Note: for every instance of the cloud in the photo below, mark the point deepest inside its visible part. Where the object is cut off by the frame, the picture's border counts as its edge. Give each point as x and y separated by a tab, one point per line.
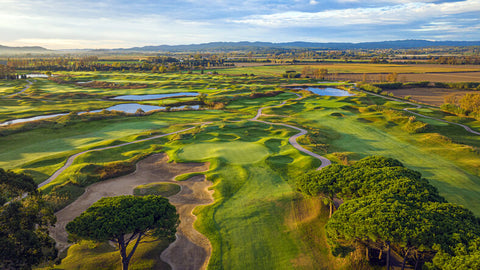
395	14
126	23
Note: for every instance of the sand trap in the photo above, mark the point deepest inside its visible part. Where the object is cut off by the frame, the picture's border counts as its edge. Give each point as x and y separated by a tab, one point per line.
191	250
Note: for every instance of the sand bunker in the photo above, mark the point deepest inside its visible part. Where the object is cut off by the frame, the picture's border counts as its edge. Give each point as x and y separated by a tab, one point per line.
191	250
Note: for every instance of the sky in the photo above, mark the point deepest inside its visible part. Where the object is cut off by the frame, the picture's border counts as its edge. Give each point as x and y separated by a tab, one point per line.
69	24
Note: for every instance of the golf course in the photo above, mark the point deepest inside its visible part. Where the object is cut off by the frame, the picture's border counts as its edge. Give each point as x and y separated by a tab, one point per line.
227	155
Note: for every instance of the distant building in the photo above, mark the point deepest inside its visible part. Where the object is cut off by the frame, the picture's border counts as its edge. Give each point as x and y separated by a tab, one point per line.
3	62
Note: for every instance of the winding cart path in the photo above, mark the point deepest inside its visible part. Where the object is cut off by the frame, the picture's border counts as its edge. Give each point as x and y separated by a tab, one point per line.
418	106
23	90
293	140
190	243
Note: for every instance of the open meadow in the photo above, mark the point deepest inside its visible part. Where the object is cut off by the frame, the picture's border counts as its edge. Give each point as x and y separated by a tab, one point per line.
258	220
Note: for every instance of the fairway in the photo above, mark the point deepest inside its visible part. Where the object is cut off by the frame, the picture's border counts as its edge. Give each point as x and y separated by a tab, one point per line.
257	219
453	181
252	199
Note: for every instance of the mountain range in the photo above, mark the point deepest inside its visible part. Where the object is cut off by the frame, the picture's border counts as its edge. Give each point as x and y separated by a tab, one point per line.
247	46
243	45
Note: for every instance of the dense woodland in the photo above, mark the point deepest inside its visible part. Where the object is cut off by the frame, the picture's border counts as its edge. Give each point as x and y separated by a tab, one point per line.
388	208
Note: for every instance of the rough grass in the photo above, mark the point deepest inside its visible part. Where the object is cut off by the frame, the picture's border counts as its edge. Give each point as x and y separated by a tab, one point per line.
162	189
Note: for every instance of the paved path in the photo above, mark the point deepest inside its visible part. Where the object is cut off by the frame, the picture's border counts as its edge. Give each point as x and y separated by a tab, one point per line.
418	106
293	140
188	239
72	158
23	90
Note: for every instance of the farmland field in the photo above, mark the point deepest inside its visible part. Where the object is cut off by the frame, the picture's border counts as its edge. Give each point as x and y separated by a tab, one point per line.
353	68
257	220
415	77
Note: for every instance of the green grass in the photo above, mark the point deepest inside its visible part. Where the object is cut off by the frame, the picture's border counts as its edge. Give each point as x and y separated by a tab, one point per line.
92	255
235	152
255	221
162	189
45	149
186	176
453	168
246	224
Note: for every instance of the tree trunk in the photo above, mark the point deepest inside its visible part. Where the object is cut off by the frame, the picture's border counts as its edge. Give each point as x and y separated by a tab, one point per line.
123	252
331	209
417	259
416	264
405	258
388	255
367	256
125	263
380	254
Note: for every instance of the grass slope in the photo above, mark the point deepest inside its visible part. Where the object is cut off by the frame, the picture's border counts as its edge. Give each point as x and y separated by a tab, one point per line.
452	168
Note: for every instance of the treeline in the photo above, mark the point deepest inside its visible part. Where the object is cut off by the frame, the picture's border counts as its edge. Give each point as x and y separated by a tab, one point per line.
468	105
389	208
92	63
455	60
7	73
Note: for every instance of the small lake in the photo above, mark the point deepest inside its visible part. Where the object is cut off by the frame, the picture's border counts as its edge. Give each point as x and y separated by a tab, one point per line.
156	96
334	92
126	108
35	118
37	76
133	107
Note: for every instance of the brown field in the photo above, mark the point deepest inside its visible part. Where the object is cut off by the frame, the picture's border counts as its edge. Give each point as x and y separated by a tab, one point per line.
267	69
430	96
412	77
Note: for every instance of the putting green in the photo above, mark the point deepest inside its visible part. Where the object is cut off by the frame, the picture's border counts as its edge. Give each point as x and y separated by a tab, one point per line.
235	152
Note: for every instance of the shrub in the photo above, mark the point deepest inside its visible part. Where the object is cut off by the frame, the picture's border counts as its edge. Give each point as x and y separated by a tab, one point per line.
371	88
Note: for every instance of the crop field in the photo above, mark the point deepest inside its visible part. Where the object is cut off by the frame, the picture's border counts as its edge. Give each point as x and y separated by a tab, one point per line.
430	96
350	68
430	76
257	220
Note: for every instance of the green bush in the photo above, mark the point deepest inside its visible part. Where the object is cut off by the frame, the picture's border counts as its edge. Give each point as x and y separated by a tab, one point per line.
371	88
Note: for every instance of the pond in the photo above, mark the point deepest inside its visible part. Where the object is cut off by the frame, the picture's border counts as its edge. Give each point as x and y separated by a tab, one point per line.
35	118
133	107
37	76
334	92
126	108
156	96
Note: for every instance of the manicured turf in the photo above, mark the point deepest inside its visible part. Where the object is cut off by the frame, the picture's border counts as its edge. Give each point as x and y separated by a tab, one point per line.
452	168
235	152
255	221
31	149
246	224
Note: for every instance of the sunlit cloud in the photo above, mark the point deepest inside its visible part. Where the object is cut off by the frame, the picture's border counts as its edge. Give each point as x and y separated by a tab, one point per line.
397	14
123	23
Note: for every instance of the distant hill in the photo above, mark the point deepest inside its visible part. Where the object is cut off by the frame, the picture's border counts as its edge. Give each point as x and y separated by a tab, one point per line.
246	45
22	50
